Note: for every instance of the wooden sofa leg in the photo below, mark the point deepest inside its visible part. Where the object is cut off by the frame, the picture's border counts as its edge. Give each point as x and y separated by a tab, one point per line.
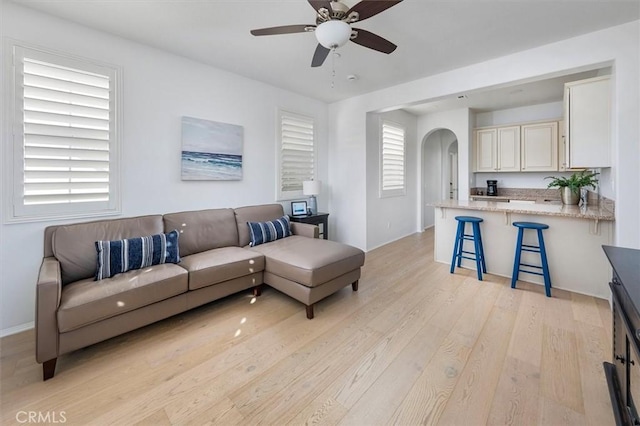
309	311
354	285
48	369
257	291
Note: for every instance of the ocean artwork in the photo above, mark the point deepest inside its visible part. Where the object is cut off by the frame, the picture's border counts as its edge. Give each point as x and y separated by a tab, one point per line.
211	150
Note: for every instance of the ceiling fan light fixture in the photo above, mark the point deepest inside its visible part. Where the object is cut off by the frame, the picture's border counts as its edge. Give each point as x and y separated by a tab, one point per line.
333	34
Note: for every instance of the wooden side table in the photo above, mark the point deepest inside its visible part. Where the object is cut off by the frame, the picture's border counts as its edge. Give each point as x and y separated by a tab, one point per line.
316	219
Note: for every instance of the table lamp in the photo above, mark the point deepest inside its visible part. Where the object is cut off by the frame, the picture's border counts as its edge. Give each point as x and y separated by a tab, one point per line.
312	188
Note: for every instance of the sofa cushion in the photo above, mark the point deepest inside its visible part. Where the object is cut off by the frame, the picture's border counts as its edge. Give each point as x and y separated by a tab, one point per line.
271	230
309	261
116	257
222	264
74	245
84	302
203	230
260	213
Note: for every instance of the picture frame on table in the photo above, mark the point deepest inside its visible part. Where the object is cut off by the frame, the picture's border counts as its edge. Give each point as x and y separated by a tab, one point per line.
299	208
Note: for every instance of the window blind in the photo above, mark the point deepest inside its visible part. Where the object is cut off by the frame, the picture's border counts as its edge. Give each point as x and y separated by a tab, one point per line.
297	151
393	159
64	150
66	134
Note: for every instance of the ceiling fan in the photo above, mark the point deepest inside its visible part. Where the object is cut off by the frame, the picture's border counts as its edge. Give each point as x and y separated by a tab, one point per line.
333	27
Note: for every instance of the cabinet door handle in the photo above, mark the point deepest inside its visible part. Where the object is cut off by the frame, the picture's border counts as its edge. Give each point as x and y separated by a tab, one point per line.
620	358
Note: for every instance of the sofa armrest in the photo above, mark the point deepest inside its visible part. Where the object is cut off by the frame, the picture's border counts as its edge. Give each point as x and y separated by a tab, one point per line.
48	292
305	229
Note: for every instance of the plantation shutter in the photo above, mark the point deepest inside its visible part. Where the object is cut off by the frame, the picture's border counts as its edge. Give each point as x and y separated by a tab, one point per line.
297	152
67	132
393	159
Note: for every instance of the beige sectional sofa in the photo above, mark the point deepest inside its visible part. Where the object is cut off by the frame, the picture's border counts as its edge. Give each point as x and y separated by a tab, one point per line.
73	310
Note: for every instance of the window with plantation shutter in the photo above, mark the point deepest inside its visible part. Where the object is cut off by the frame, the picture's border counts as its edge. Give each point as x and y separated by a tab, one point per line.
296	154
392	160
64	134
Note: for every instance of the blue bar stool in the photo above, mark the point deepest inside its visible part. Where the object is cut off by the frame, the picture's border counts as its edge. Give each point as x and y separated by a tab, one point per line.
476	237
517	264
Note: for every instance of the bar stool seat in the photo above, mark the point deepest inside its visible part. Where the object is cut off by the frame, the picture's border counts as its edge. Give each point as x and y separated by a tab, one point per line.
476	237
540	248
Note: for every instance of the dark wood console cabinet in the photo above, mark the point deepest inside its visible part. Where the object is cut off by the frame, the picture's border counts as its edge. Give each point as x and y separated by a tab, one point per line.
623	372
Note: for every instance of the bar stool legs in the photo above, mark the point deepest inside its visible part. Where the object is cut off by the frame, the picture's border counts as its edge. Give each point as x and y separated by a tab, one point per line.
540	248
458	247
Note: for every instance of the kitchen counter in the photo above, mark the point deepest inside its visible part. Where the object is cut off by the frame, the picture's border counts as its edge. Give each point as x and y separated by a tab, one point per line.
576	261
534	208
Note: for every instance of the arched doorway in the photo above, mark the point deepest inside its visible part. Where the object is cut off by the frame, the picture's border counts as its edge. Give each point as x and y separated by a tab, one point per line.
439	180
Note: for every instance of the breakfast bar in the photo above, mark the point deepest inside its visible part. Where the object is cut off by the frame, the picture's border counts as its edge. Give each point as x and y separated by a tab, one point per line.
573	240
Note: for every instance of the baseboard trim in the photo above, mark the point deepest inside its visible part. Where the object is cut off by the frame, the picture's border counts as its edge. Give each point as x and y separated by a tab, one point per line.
392	241
17	329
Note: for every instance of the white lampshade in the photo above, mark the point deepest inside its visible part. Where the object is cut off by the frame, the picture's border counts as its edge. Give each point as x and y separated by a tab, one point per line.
311	187
333	34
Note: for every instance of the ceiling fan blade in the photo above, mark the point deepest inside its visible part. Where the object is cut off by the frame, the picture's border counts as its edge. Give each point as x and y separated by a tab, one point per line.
286	29
319	4
319	56
368	8
373	41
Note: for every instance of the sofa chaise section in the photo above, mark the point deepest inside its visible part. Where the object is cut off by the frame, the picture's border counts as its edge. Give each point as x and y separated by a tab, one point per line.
303	268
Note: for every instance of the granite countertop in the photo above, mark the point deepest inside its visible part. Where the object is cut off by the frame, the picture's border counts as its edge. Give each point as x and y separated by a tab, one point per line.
536	208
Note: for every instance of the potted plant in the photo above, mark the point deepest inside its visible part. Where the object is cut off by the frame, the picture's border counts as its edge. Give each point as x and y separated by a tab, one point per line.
570	187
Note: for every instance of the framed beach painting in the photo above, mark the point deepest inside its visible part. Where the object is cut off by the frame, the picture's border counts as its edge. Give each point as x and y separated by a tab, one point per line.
211	150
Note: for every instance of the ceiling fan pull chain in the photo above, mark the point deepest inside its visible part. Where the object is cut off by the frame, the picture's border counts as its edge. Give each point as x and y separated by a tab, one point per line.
333	67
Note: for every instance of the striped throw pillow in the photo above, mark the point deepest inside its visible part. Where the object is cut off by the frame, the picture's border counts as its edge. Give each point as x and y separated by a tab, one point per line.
115	257
264	232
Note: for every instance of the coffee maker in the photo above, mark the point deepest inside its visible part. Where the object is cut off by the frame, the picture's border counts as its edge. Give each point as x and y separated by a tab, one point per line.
492	188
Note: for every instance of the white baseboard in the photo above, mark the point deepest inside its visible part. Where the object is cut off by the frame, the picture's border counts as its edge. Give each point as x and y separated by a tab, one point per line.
392	241
17	329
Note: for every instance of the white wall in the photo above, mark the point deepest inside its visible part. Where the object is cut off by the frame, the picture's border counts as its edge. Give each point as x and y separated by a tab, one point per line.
159	89
390	218
619	44
516	179
548	111
348	174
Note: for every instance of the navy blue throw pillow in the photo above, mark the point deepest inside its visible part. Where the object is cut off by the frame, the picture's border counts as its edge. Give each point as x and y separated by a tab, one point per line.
264	232
115	257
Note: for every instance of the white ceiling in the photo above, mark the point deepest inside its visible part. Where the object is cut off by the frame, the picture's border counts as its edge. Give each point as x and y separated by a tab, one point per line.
433	36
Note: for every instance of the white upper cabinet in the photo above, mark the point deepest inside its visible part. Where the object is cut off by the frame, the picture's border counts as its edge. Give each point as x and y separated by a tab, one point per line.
498	149
588	123
540	147
486	146
563	166
509	149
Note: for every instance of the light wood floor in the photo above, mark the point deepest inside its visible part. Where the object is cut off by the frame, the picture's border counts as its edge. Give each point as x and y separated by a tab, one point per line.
415	345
